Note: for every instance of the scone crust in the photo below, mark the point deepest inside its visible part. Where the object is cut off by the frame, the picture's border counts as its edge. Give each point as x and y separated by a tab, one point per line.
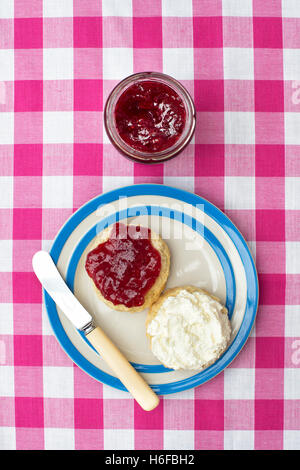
173	292
153	294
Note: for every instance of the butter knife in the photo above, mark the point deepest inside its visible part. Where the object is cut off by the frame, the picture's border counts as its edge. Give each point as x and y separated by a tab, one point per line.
50	278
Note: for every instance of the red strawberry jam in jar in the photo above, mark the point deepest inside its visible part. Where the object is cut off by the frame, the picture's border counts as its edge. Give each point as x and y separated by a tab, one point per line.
149	117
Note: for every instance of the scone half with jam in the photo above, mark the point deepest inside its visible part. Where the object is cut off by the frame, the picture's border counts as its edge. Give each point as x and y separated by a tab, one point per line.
128	266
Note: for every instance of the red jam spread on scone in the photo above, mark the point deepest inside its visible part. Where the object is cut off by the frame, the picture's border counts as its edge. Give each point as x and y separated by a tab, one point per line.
125	267
150	116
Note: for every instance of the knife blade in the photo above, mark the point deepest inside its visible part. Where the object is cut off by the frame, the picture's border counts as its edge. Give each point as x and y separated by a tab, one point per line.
48	275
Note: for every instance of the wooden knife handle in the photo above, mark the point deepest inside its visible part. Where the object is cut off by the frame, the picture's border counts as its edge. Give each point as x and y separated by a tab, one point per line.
132	380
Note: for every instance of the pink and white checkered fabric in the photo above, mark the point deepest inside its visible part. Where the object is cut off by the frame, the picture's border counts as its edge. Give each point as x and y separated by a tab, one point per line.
240	59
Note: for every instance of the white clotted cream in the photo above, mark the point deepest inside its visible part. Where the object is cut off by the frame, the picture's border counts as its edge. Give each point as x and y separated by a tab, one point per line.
189	331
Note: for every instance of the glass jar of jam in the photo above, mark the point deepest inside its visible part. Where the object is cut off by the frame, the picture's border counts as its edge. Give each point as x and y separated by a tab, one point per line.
149	117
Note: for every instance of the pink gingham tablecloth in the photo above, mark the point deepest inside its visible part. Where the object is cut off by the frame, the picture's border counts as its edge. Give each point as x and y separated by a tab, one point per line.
240	60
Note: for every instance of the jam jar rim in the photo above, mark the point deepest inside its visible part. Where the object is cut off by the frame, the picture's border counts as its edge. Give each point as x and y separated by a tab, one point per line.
148	157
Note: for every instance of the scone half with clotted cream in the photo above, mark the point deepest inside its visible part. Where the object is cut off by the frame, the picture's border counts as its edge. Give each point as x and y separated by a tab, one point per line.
188	328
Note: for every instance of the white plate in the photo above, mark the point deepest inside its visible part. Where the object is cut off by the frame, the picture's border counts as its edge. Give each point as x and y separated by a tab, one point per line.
206	251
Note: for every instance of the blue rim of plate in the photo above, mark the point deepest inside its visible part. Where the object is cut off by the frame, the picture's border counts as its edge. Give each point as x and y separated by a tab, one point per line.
223	221
207	235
